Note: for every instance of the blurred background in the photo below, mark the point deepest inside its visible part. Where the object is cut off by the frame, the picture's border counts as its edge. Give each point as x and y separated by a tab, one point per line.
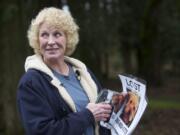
138	37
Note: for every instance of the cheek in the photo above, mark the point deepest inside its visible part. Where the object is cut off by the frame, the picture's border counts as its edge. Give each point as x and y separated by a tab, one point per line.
41	40
64	41
42	43
64	44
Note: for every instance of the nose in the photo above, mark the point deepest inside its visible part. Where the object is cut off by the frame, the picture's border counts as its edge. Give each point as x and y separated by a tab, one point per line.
51	40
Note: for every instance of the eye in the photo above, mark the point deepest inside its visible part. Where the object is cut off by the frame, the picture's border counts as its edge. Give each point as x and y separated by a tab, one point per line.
58	34
44	34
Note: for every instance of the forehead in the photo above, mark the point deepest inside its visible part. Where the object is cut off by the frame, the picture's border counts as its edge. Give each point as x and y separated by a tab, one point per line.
49	27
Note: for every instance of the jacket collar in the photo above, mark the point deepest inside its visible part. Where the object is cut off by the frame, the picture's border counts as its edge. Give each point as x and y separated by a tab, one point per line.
36	62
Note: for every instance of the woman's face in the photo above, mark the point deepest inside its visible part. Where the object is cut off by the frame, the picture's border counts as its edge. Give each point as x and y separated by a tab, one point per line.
52	43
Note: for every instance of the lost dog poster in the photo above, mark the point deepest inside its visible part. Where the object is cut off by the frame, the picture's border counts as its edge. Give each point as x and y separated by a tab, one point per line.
128	105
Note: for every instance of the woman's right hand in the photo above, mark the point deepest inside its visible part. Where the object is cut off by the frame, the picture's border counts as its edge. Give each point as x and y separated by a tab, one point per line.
100	111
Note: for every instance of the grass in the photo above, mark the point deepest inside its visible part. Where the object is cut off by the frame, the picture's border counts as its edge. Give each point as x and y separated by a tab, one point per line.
164	104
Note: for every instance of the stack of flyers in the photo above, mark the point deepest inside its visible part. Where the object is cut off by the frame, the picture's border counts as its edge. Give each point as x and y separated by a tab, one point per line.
128	106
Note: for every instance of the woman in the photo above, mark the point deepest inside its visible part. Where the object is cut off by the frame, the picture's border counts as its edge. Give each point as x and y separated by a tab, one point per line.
57	94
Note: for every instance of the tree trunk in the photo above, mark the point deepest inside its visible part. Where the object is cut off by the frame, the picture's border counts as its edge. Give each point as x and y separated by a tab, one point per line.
126	54
149	63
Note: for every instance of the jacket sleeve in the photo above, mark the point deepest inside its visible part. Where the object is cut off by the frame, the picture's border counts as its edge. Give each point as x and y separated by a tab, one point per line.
38	117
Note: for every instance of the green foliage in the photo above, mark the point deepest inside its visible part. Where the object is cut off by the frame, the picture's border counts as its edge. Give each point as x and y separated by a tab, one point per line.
164	104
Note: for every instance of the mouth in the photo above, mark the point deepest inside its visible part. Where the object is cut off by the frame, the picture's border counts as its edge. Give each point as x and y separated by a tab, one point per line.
51	49
125	116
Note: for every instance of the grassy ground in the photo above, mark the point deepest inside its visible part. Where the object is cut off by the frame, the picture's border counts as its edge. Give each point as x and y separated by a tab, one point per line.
159	122
162	117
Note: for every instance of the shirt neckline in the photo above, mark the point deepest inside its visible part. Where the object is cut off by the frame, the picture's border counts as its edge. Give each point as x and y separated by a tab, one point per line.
65	76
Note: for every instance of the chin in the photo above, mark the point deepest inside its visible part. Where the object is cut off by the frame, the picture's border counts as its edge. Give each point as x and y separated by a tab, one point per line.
54	57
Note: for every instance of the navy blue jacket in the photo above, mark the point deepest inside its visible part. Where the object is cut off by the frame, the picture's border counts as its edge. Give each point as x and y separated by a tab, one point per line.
44	112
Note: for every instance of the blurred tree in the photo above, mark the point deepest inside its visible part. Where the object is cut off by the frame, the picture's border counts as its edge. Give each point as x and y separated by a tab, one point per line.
96	33
149	51
169	31
129	28
9	43
159	42
15	18
138	29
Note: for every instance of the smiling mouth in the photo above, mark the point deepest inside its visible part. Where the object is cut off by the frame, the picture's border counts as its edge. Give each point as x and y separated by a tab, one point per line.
52	49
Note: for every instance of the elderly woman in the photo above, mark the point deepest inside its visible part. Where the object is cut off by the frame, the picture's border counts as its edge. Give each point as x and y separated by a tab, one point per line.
57	94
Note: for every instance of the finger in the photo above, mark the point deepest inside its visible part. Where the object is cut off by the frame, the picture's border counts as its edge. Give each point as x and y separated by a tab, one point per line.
99	111
107	111
105	105
102	117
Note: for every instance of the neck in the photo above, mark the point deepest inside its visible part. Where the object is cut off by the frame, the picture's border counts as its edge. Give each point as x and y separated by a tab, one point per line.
59	66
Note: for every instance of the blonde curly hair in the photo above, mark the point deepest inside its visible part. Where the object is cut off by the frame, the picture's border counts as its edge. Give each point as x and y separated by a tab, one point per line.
59	19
